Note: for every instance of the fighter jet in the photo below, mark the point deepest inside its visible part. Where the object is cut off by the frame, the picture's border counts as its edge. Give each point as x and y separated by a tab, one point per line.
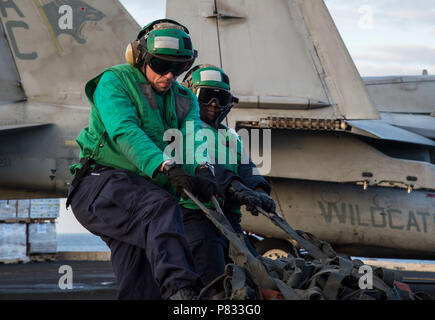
351	162
49	49
356	174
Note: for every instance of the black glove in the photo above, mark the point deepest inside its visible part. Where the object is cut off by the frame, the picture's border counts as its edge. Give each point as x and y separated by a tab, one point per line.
246	196
206	186
267	202
224	178
179	178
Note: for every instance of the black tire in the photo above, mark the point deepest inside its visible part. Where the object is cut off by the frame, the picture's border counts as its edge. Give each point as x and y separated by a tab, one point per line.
274	248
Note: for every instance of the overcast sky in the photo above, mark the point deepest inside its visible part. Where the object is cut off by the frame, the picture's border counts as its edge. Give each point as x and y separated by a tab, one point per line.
387	37
384	37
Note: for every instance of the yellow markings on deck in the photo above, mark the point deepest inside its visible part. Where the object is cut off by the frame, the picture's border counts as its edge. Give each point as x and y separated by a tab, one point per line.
71	143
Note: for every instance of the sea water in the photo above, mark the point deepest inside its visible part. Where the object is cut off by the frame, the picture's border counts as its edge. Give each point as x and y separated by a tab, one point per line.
80	242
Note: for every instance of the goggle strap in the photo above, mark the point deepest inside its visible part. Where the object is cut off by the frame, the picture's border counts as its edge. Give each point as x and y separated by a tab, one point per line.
231	100
223	115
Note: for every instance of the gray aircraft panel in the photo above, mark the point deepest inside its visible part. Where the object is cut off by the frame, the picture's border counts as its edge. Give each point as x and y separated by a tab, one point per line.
53	140
37	136
369	81
276	65
383	130
343	158
420	124
373	222
55	64
39	170
279	56
402	94
203	35
100	31
341	74
7	129
10	84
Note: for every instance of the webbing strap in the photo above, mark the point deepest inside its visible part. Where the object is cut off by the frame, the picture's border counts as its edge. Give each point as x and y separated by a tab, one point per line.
280	222
334	285
210	285
86	165
238	252
288	292
238	276
327	276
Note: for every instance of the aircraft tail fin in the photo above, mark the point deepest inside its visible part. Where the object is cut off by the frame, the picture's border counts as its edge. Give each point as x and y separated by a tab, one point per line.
10	83
278	52
57	45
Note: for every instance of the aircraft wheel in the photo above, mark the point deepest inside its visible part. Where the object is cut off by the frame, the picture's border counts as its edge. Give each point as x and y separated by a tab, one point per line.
274	248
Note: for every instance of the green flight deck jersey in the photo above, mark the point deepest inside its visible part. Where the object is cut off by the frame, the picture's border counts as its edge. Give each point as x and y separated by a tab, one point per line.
128	121
224	147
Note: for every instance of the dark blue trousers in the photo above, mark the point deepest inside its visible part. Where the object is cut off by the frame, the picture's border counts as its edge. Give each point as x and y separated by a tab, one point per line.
208	245
142	225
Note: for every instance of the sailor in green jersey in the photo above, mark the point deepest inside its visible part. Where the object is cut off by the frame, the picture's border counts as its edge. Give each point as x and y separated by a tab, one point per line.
235	174
124	186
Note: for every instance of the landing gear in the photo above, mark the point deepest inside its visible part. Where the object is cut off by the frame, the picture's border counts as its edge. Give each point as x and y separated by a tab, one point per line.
274	248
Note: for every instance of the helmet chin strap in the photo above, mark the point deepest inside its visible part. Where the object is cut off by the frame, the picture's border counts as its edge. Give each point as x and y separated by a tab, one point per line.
215	124
222	116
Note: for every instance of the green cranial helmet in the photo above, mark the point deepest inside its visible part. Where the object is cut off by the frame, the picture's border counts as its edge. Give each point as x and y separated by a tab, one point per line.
207	75
210	83
163	40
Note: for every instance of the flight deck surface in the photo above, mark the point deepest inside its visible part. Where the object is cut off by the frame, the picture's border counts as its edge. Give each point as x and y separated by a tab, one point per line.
95	280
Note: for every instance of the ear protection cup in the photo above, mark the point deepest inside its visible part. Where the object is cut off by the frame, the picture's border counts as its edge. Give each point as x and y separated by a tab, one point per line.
131	53
136	54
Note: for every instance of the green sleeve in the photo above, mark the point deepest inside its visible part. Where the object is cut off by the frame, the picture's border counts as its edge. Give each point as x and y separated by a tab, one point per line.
122	123
195	150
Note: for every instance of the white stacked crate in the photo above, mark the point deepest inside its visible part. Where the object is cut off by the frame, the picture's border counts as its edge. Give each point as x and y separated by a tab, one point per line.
41	241
13	243
44	208
28	230
8	209
42	238
14	211
23	209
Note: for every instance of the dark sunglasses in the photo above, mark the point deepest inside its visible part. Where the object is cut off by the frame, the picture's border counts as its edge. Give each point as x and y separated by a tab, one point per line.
162	67
222	97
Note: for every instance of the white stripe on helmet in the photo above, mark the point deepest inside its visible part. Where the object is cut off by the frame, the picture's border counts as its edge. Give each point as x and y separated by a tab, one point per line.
211	75
166	43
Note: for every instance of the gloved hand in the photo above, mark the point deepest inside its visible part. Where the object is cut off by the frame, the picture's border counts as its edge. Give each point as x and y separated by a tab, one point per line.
206	186
267	202
179	178
246	196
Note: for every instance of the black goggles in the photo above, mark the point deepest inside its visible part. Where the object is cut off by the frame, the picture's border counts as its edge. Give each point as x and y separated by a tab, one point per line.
162	67
222	97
